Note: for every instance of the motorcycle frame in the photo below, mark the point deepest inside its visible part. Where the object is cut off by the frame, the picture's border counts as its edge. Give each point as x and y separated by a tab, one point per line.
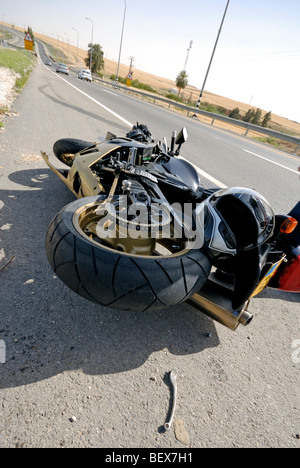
80	171
214	299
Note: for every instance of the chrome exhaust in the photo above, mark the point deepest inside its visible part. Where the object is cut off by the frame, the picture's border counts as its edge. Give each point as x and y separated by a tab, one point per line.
214	300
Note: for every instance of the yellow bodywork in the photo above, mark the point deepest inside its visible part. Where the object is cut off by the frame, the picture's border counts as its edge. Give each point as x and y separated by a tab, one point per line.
90	184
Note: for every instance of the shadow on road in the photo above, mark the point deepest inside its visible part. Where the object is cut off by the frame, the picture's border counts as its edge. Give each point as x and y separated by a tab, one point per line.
48	329
60	101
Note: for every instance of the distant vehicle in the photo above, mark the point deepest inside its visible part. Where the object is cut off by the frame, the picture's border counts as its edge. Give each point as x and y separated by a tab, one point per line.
85	75
49	63
62	68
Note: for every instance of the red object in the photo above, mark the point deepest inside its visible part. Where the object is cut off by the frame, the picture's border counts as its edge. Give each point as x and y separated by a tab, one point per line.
290	277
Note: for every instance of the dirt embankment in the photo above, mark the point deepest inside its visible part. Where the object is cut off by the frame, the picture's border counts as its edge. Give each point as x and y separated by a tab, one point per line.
7	92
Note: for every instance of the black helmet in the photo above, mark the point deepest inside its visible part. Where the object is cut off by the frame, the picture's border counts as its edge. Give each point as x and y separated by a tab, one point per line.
236	219
140	132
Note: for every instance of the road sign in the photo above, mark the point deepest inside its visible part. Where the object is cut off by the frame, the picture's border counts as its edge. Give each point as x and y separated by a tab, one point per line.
28	37
129	79
28	42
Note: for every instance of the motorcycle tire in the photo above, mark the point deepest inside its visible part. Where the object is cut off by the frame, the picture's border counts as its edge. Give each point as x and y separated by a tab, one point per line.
115	279
66	148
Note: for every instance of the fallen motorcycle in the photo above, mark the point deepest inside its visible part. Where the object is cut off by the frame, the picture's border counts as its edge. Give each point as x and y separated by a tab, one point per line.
144	233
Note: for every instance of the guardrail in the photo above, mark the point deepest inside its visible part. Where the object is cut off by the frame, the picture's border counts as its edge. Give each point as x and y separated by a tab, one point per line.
195	111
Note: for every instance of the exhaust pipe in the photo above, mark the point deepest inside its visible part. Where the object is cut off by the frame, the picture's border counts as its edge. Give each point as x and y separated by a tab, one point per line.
214	300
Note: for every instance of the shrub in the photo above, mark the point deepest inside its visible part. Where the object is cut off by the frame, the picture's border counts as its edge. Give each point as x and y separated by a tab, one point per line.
235	113
212	108
266	119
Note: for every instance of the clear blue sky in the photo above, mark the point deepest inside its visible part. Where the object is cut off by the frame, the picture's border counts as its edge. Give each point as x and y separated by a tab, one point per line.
257	59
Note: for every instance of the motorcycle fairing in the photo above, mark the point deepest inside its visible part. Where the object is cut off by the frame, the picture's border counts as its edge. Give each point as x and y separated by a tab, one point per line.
80	179
294	237
289	279
247	268
184	170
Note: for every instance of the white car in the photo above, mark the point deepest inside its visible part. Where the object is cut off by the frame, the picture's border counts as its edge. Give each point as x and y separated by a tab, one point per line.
85	75
62	68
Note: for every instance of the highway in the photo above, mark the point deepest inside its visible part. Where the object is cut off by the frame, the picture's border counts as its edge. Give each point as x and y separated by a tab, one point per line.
230	159
80	375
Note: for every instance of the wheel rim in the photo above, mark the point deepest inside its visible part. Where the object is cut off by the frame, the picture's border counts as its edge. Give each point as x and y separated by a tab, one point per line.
94	222
67	158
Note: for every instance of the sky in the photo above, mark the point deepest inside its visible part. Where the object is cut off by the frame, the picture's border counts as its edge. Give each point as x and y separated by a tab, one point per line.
256	61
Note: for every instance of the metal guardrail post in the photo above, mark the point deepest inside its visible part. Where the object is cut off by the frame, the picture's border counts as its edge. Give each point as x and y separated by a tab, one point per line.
297	147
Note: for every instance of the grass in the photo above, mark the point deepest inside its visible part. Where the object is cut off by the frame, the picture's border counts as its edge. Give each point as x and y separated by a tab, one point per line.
20	62
57	54
268	140
135	84
17	60
5	35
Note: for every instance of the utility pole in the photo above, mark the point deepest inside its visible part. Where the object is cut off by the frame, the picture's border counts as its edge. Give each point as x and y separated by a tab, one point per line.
77	46
131	64
121	41
203	86
187	57
91	54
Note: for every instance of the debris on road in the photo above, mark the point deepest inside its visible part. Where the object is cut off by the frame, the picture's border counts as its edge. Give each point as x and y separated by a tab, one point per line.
173	375
180	432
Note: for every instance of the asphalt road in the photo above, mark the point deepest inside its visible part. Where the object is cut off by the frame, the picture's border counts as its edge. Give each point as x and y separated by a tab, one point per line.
79	375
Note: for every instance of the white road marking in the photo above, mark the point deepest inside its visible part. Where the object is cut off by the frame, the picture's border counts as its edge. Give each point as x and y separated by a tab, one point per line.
273	162
201	172
92	99
206	175
99	103
109	92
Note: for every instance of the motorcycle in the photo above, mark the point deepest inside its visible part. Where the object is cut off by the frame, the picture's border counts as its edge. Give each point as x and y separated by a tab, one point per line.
144	233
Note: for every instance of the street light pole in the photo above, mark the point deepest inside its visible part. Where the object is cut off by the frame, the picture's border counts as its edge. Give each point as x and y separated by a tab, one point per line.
63	47
203	86
91	54
77	46
68	49
117	77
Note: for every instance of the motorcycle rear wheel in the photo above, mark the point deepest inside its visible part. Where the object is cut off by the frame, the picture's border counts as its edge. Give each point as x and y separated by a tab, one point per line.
65	149
113	278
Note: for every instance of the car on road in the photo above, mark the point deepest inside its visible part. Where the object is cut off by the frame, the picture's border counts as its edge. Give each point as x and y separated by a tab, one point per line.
62	68
48	62
85	75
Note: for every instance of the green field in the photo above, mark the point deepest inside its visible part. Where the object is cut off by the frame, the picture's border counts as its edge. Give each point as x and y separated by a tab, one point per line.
19	61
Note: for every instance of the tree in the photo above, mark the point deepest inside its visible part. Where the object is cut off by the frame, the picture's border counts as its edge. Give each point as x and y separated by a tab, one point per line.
181	81
266	119
29	30
257	117
97	58
248	117
235	113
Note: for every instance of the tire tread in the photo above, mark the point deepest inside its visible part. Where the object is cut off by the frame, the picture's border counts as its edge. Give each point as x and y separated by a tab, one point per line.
112	279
